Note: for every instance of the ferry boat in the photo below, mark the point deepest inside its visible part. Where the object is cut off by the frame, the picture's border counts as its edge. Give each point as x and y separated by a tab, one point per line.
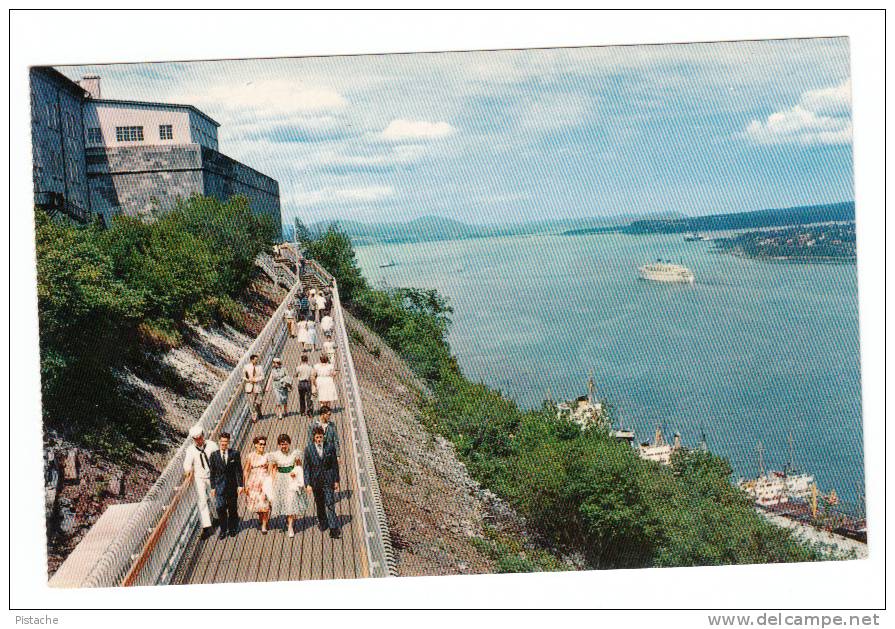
665	271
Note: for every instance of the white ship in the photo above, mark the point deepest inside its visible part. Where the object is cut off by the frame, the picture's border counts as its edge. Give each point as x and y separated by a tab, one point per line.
659	450
772	488
587	414
667	272
583	410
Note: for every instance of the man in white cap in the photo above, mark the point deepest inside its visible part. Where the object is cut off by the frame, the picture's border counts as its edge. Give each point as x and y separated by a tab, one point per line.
197	461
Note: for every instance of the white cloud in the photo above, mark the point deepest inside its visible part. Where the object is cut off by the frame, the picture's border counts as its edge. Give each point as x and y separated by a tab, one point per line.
331	195
400	129
822	116
273	97
396	156
831	101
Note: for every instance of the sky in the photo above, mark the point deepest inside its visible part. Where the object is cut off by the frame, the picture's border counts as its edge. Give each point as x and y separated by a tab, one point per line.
522	135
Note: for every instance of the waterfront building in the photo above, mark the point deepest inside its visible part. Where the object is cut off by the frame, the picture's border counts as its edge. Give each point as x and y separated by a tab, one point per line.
95	156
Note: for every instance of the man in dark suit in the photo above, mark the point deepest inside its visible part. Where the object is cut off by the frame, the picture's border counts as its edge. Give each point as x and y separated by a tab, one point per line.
330	434
321	468
226	483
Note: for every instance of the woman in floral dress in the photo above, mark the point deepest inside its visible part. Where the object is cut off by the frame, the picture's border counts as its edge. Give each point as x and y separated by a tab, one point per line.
288	478
256	473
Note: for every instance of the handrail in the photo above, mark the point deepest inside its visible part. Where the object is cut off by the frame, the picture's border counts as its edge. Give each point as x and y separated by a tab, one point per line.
376	532
268	265
131	577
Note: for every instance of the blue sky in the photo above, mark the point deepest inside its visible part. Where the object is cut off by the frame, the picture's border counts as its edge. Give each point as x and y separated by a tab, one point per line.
508	136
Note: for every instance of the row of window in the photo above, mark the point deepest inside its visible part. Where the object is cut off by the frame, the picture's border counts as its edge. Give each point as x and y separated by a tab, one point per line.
129	134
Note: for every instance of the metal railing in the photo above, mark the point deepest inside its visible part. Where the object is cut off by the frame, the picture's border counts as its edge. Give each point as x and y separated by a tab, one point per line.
269	266
376	533
149	546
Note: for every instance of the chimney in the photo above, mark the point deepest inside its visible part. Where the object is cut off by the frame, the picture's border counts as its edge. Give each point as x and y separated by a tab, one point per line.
90	83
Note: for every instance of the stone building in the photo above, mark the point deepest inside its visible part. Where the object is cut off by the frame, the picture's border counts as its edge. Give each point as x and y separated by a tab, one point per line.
59	169
95	156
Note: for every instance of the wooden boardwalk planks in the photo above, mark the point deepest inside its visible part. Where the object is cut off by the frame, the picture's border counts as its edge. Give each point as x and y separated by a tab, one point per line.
311	554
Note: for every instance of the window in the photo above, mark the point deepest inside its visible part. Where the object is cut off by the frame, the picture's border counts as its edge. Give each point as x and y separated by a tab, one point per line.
165	132
129	134
94	135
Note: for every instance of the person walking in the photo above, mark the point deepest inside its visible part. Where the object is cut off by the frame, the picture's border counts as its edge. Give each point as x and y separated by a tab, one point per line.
252	377
289	316
288	482
321	476
226	484
258	485
329	348
303	376
322	381
196	462
330	433
281	382
321	304
303	338
312	334
312	303
327	325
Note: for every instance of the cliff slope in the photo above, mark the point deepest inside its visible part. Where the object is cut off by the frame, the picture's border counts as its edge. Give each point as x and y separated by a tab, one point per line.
177	385
441	521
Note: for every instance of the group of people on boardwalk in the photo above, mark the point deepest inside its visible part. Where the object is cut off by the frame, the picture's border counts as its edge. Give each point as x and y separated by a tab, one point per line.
280	482
283	481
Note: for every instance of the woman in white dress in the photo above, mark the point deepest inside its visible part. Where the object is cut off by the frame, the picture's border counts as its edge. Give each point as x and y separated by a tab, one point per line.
321	305
303	338
322	381
288	478
329	348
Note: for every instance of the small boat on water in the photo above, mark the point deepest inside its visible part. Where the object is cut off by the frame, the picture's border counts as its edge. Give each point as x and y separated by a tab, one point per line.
388	264
694	237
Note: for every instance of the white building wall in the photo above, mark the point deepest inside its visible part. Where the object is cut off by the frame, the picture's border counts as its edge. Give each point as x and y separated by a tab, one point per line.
108	116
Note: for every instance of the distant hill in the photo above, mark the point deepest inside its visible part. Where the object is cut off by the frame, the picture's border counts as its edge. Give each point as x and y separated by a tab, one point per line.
747	220
431	228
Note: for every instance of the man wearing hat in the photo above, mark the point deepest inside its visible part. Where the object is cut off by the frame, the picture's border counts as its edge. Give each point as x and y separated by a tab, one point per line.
197	461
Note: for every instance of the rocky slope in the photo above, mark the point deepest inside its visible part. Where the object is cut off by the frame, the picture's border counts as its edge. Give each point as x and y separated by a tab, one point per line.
177	385
441	521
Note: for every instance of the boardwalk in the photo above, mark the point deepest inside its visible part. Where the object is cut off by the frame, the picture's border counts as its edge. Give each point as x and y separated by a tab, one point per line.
311	554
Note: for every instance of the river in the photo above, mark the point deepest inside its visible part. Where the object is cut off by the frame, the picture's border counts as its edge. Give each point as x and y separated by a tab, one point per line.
752	351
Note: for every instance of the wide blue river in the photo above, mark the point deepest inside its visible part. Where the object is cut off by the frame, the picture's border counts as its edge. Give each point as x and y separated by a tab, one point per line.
753	351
